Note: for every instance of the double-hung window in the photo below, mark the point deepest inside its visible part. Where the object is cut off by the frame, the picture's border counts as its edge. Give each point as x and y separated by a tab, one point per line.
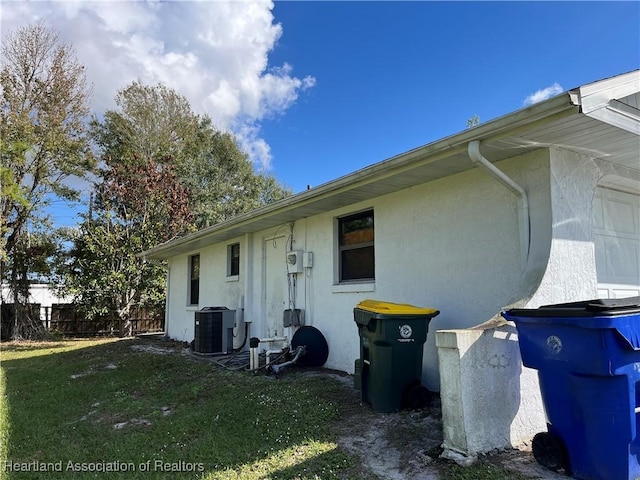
356	252
194	280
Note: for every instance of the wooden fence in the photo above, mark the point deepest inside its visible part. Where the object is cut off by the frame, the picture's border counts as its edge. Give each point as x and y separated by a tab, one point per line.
63	318
66	320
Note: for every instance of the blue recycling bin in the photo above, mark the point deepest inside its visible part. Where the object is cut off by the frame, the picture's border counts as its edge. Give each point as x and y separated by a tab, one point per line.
588	359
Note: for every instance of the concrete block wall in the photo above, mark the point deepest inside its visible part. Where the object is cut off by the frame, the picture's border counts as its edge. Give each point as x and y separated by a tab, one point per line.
489	400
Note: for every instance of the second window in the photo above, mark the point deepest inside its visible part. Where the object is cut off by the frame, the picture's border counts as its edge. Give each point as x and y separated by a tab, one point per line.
356	250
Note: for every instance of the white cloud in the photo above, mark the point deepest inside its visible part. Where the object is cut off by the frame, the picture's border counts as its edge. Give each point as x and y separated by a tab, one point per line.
543	94
215	53
256	147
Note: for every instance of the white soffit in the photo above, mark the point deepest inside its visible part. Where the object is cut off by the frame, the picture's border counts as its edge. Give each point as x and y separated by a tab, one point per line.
614	101
607	127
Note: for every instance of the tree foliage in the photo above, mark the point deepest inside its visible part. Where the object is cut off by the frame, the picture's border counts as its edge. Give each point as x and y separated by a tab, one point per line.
166	171
473	121
138	205
11	195
43	111
156	123
221	181
152	122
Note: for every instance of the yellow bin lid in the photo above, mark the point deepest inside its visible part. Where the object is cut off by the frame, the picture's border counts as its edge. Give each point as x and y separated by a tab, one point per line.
389	308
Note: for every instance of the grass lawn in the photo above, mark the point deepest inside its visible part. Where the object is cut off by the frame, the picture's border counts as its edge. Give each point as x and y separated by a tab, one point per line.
112	408
84	407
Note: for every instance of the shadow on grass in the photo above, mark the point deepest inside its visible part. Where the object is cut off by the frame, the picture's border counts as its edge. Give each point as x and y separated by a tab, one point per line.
14	350
102	407
28	346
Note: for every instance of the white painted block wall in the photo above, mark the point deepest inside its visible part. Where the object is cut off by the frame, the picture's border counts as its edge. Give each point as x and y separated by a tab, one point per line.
489	399
451	244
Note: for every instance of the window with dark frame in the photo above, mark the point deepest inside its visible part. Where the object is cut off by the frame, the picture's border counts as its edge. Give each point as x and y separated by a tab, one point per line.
356	247
194	279
233	260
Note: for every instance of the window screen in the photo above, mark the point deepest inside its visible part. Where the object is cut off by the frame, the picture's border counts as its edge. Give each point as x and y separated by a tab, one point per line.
356	247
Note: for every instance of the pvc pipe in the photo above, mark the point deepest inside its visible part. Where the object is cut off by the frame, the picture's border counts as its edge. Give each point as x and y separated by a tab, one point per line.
273	339
473	150
268	355
254	355
299	352
254	358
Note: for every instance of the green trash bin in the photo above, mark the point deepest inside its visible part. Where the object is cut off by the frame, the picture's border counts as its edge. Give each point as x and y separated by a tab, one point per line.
389	370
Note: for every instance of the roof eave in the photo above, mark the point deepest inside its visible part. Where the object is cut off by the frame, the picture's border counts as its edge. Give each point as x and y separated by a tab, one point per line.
520	120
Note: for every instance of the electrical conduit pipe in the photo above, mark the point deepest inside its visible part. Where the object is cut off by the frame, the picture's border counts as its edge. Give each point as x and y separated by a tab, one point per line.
523	201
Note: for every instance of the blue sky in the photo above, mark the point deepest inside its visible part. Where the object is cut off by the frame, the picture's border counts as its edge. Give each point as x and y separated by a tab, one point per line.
316	90
392	76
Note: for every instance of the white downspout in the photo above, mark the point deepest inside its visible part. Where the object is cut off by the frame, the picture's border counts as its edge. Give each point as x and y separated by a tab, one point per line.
167	304
523	201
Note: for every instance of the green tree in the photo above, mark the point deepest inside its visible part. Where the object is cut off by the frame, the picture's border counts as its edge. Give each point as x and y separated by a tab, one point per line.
166	171
222	182
473	121
151	122
157	123
10	192
43	111
138	205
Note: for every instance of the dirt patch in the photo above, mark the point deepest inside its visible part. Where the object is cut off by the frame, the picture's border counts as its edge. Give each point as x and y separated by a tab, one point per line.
75	376
395	446
521	461
153	349
407	445
143	422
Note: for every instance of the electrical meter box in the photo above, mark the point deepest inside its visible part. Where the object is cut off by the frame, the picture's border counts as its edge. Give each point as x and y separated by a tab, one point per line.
294	261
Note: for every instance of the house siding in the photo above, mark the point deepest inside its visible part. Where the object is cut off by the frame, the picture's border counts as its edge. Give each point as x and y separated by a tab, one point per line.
570	271
456	244
450	244
477	363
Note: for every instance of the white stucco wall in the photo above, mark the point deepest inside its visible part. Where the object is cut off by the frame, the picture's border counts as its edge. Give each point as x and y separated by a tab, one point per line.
571	271
178	316
571	268
451	244
489	399
216	289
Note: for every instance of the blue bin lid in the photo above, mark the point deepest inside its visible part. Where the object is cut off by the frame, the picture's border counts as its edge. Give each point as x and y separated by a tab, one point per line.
622	315
599	307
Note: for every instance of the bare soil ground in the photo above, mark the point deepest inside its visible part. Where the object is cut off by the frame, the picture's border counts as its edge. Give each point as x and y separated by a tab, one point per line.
407	445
